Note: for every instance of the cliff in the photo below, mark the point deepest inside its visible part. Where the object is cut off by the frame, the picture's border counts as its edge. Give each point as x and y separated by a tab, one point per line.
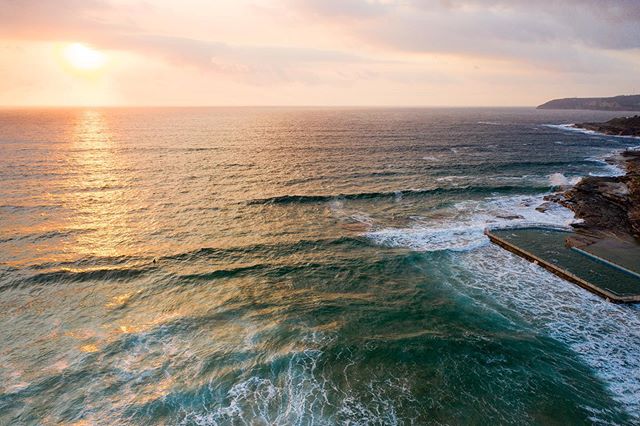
616	103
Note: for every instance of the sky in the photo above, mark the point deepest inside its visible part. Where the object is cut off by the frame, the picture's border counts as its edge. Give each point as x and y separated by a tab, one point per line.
316	52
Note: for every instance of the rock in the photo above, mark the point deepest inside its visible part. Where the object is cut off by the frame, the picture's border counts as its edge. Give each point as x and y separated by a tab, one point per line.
607	204
510	216
623	126
542	208
557	197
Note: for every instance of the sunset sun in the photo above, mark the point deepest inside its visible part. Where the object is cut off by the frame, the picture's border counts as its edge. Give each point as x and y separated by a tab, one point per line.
83	57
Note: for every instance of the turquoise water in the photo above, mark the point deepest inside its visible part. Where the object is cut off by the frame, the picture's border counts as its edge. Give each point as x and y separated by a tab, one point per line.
298	266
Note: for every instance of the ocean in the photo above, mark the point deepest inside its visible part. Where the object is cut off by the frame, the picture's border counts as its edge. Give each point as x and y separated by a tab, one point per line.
299	266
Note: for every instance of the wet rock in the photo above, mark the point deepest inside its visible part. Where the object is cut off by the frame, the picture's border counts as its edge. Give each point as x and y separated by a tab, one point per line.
623	126
610	204
555	198
510	216
542	208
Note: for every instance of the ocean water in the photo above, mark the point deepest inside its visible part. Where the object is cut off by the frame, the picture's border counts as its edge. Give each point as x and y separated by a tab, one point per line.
298	266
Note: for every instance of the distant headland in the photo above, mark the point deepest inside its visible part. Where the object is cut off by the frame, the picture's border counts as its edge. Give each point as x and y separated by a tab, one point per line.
615	103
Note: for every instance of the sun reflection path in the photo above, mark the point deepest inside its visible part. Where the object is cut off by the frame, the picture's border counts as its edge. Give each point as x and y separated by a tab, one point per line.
96	191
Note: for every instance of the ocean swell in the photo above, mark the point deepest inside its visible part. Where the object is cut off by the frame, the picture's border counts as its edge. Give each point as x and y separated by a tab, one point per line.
472	190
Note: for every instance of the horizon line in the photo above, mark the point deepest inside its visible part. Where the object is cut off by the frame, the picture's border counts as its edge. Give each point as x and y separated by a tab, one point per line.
260	106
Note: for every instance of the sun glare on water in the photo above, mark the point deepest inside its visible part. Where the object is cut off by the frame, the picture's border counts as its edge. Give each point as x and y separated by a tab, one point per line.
83	57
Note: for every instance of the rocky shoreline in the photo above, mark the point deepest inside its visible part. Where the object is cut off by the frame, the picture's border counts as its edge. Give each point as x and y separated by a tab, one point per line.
608	206
623	126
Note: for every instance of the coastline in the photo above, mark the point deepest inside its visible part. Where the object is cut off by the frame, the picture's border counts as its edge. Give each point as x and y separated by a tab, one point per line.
607	205
607	209
606	230
622	126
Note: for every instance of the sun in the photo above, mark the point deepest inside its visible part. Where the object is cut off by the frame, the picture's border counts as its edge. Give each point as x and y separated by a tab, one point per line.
84	58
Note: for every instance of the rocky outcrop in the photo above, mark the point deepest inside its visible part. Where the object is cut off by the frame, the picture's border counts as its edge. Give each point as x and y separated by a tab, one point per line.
615	103
624	126
607	204
633	183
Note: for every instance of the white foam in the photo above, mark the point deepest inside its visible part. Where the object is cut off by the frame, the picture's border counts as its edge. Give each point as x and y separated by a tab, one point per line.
605	336
430	239
559	179
463	226
362	218
351	216
610	169
452	178
301	395
572	128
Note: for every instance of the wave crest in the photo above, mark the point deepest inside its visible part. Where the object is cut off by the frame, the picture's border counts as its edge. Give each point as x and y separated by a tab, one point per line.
472	190
463	229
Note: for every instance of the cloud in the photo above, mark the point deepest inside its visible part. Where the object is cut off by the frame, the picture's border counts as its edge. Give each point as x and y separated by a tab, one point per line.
573	35
34	19
98	22
344	8
609	24
570	35
398	47
249	63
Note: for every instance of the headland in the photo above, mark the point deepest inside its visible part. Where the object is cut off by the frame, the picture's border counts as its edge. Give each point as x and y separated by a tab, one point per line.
614	103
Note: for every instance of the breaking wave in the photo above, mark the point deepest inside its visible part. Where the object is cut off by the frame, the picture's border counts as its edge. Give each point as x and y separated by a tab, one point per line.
559	179
471	190
463	228
603	334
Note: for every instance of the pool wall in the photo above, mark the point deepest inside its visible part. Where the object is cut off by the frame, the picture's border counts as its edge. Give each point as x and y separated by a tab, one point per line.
559	271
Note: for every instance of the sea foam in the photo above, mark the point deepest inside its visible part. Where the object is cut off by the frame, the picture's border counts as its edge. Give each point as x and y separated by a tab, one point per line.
605	335
462	227
559	179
